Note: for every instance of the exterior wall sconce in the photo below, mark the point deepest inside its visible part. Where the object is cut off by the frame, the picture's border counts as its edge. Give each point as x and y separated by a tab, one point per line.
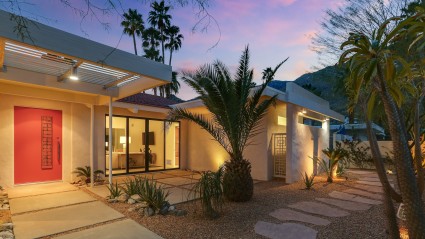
74	74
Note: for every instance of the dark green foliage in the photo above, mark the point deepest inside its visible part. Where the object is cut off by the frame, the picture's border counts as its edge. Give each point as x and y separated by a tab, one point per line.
151	193
308	180
335	156
358	154
85	173
210	191
114	190
238	185
130	187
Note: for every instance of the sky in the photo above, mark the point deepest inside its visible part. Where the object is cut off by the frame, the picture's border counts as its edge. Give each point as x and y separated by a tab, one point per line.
273	29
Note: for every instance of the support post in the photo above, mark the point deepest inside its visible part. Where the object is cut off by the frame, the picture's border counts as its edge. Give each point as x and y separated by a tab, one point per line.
110	140
92	145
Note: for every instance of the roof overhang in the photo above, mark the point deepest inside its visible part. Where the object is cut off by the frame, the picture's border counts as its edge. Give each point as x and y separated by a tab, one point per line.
49	56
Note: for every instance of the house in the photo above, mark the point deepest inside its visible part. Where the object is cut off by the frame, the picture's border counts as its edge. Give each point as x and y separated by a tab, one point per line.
356	131
58	90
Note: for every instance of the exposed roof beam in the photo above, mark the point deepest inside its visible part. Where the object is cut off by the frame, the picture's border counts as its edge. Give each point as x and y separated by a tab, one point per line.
115	83
2	46
69	72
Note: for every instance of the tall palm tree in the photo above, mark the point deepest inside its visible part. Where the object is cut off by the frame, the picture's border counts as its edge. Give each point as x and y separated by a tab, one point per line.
173	87
371	62
236	111
159	18
133	25
150	44
174	40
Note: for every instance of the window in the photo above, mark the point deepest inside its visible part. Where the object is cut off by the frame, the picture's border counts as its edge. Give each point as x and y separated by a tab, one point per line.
311	122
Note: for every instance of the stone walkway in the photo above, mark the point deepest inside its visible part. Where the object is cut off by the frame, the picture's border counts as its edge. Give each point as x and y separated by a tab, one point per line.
61	210
364	195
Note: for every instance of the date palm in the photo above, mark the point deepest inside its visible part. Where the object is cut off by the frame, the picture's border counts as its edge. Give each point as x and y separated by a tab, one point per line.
133	25
371	62
236	111
159	18
174	40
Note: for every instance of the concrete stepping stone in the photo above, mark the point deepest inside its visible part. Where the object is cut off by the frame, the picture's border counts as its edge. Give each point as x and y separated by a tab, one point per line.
125	229
361	172
364	193
372	179
372	189
284	231
353	198
319	209
379	184
352	206
291	215
40	189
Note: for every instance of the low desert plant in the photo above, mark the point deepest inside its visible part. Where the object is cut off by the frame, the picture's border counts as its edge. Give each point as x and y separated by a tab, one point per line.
114	190
357	153
308	180
84	173
210	191
131	187
334	157
148	190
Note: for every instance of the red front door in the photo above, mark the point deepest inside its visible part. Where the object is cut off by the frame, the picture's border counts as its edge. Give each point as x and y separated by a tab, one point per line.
38	145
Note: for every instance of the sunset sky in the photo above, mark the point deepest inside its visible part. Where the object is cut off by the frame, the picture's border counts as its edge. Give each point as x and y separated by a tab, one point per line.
273	29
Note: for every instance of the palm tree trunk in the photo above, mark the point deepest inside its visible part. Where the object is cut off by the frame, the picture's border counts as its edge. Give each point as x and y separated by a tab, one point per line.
390	213
162	46
415	216
418	150
134	43
171	56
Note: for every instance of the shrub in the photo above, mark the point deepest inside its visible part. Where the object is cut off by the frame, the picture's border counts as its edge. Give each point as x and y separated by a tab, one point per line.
335	156
357	153
151	193
308	180
210	191
84	173
130	187
114	190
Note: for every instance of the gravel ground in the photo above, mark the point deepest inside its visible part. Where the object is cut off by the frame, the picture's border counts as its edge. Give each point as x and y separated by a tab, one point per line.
238	219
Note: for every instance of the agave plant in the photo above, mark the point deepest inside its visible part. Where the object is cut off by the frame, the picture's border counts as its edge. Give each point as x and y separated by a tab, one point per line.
148	190
308	180
236	107
114	190
84	173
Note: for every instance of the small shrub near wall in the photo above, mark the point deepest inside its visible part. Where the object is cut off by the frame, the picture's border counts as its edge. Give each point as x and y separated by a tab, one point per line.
358	154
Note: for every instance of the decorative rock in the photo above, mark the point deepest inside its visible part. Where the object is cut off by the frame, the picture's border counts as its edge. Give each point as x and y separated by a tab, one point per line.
5	207
180	213
135	197
320	209
112	200
171	208
6	226
364	193
123	198
352	206
291	215
149	212
353	198
131	201
6	235
164	210
285	230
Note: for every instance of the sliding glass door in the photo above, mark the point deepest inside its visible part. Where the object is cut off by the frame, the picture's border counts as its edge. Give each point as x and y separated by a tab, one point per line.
143	145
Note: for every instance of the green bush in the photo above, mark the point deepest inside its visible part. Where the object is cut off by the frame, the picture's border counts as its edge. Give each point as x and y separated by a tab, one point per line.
358	154
84	173
210	191
308	180
114	190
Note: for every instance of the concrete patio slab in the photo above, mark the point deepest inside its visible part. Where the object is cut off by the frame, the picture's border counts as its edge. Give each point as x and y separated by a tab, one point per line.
196	176
372	179
353	198
372	189
319	209
101	190
187	186
291	215
178	173
284	231
48	222
361	172
177	181
347	205
39	189
179	195
34	203
378	184
125	229
364	193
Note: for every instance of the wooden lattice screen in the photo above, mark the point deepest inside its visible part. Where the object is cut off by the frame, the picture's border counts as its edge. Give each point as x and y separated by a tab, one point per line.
46	142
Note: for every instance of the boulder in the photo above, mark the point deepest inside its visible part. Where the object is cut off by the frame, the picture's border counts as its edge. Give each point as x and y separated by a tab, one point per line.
131	201
135	197
180	213
149	212
6	226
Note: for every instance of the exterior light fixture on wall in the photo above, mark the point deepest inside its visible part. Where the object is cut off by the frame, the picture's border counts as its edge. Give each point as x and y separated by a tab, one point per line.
74	75
304	111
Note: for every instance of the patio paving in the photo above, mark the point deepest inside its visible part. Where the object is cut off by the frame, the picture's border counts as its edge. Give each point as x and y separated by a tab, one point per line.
52	221
179	173
378	184
372	179
39	202
353	198
284	231
364	193
101	190
319	209
284	214
126	229
177	181
347	205
39	189
372	189
179	195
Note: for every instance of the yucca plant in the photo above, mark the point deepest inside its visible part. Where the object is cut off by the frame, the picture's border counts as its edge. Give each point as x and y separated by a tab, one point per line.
308	180
130	187
148	190
84	173
209	188
114	190
236	108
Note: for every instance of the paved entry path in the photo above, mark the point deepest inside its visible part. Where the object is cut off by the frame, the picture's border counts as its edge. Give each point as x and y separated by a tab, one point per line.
60	208
339	204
